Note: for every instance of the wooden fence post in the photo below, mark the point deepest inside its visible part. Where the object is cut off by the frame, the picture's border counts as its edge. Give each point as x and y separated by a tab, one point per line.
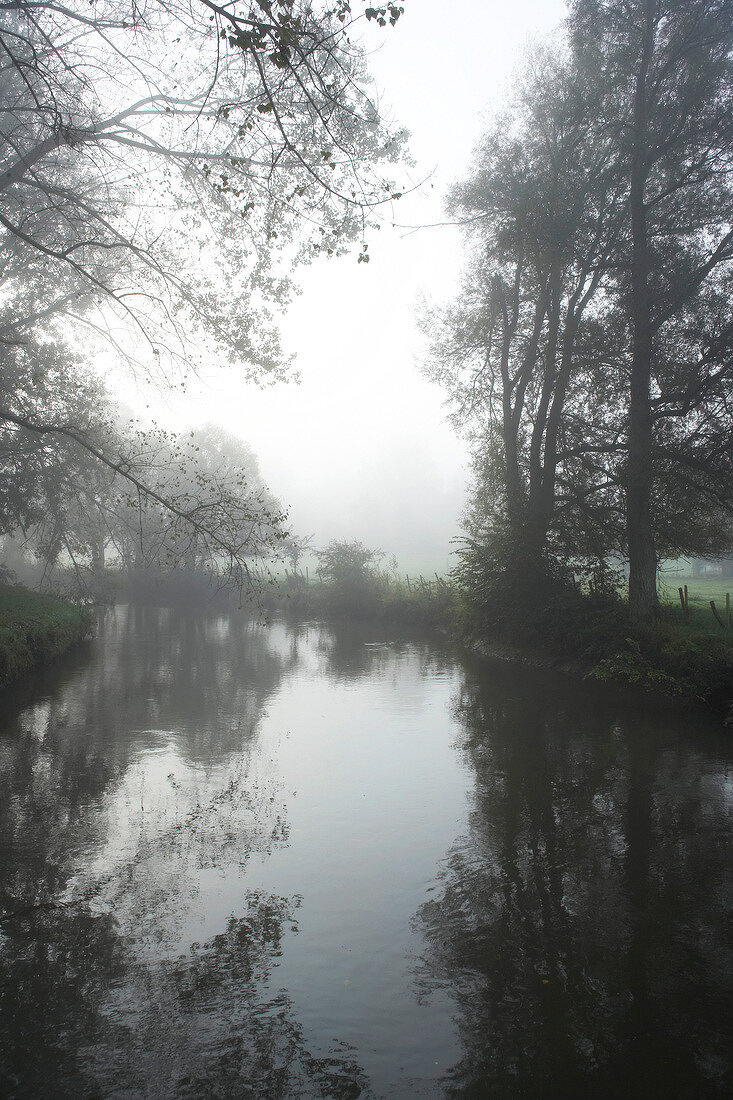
715	613
685	603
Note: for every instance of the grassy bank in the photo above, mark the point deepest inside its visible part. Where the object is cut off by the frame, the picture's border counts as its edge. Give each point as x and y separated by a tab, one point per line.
379	598
35	629
684	656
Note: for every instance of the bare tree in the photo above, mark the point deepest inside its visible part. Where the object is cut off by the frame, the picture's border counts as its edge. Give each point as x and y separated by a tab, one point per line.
169	163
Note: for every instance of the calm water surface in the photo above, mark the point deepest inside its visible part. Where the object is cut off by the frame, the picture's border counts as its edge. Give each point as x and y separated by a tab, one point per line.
273	861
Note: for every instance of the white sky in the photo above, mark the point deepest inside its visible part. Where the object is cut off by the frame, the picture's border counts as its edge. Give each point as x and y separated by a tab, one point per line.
361	448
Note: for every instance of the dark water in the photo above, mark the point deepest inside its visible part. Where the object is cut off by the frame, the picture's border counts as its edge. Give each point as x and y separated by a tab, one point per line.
247	861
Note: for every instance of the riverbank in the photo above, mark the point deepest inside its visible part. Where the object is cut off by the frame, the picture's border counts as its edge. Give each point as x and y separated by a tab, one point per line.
678	656
35	629
671	657
381	598
685	656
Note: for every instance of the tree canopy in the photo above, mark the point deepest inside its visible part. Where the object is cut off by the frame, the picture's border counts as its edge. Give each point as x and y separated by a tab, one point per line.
163	168
589	355
167	163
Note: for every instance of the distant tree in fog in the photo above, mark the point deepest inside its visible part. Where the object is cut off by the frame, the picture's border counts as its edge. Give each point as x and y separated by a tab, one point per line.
208	508
344	562
294	547
81	486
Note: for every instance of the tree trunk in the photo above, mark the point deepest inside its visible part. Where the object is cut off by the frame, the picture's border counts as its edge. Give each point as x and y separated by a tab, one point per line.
643	600
97	554
512	475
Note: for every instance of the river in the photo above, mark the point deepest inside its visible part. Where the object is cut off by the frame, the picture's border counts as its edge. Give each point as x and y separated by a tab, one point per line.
247	860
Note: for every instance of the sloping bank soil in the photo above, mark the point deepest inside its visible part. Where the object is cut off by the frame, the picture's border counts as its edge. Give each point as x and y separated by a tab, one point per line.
36	629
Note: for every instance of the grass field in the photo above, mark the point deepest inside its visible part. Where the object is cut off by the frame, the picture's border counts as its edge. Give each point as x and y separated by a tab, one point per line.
700	591
35	629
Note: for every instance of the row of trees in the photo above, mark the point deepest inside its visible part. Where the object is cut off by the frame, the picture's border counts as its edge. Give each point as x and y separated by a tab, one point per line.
168	503
590	354
164	167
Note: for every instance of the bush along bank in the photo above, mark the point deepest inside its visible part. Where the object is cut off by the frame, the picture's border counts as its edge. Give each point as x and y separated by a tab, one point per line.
36	629
593	634
378	597
551	623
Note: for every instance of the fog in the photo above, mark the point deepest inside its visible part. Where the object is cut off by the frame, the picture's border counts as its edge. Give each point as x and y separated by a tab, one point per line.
299	796
360	447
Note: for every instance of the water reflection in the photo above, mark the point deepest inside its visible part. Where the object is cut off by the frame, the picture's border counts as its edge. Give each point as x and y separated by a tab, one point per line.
133	955
223	872
581	922
84	1014
356	651
181	692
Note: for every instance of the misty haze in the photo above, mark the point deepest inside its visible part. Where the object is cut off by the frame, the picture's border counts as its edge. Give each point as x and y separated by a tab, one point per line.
366	549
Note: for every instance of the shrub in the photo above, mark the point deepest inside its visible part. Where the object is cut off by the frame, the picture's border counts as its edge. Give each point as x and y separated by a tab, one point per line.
347	564
348	568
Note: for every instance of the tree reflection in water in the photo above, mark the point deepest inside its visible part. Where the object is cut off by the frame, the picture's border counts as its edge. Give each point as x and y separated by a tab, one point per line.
354	651
581	924
126	790
578	923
